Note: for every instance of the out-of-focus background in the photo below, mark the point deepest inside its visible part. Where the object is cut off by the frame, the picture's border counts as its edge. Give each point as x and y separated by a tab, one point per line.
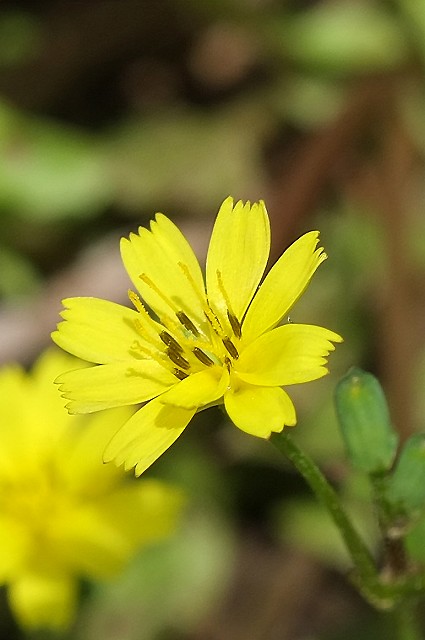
111	110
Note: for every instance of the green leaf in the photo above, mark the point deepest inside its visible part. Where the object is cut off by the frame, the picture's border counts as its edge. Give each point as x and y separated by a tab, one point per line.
17	275
345	37
47	170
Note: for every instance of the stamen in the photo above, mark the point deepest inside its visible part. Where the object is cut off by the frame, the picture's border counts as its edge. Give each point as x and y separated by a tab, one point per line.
143	329
181	375
169	341
187	323
231	315
186	271
209	314
202	357
151	338
137	346
178	359
224	292
230	348
165	320
235	324
145	278
134	298
214	321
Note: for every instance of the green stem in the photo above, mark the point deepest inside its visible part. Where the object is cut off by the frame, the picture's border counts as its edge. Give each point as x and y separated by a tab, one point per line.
311	473
395	562
406	622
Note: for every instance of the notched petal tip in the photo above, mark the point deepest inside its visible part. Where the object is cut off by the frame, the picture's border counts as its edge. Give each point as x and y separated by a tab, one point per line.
66	302
262	205
124	242
107	459
228	202
161	218
55	334
332	337
69	407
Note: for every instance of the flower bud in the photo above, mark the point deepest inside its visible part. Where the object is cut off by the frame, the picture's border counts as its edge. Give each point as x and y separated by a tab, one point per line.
362	410
406	487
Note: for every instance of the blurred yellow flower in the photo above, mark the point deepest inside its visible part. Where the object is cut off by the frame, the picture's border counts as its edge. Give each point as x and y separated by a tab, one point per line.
211	344
63	514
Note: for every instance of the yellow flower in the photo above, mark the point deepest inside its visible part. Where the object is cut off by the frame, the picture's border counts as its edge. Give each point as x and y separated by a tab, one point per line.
63	514
212	343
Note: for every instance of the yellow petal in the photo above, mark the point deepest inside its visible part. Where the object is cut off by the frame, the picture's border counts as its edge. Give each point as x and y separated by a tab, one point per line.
81	470
96	539
14	389
43	601
150	501
238	252
159	255
283	285
15	542
259	410
199	389
289	354
147	434
97	330
113	385
88	541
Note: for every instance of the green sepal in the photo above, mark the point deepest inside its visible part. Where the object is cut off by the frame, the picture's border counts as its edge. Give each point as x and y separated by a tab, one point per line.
369	436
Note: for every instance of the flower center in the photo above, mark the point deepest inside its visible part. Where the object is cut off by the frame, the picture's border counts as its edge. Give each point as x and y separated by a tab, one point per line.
180	344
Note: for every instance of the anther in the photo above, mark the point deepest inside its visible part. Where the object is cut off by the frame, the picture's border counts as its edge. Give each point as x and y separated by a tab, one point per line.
230	348
169	341
202	357
181	375
187	323
235	324
178	359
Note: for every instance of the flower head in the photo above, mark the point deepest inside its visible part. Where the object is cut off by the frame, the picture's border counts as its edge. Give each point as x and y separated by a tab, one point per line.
63	514
212	343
